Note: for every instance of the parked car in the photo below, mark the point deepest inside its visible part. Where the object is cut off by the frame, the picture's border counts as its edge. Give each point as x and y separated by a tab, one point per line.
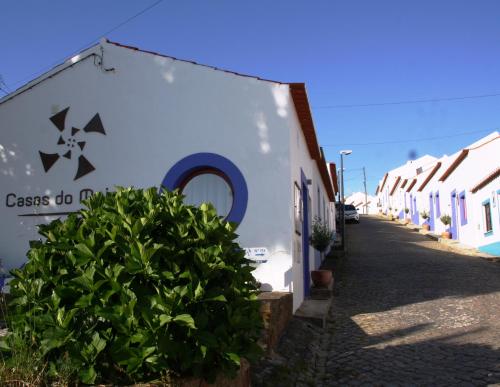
351	213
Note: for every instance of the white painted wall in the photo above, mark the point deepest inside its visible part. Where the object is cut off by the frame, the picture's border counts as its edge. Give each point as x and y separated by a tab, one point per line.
358	199
483	158
156	111
300	159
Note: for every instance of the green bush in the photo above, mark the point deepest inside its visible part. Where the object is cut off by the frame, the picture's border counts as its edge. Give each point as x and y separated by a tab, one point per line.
135	284
321	235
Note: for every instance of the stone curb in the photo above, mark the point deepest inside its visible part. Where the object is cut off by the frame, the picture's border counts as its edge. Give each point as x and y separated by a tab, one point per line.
447	244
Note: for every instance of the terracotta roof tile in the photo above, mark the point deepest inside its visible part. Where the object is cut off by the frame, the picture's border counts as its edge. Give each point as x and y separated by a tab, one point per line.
299	97
414	181
429	177
333	176
461	157
395	185
488	179
383	182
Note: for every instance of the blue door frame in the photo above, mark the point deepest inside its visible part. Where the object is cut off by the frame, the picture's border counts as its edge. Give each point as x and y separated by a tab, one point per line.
431	212
305	233
453	226
414	217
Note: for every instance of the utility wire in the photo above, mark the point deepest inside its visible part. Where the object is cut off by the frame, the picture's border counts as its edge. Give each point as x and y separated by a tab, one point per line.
410	141
119	25
407	101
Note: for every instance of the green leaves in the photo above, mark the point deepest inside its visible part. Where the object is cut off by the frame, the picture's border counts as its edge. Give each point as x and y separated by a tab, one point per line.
137	283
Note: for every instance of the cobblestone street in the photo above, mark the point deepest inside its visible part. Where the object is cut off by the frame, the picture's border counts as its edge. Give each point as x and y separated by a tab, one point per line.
405	313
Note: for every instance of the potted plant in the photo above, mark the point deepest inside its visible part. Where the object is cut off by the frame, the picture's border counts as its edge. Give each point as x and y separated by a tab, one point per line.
446	220
395	217
425	215
407	210
389	214
321	238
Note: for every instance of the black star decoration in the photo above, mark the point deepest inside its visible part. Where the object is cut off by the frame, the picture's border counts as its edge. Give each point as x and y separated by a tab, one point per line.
84	165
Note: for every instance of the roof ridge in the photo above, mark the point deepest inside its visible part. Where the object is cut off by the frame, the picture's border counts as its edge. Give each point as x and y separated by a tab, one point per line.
192	62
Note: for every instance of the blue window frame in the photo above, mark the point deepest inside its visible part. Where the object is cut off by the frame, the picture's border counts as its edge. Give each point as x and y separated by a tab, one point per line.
438	206
463	208
488	224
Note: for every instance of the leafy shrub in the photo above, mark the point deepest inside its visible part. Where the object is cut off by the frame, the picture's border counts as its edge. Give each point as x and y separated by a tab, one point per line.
424	214
407	210
321	235
445	219
135	284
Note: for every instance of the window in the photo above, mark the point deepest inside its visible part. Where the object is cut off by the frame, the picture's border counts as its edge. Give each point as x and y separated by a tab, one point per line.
297	206
463	208
487	217
208	186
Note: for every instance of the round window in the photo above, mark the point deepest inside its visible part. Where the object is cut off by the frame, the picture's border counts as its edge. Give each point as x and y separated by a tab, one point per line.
208	187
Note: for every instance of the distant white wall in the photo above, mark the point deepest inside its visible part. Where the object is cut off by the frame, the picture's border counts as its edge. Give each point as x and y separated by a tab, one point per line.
358	199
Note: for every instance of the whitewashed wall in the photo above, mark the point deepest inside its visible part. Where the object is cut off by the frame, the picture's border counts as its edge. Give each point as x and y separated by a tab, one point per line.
156	111
300	159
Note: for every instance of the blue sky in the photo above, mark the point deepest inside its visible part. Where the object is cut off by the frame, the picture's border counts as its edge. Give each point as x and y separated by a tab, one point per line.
347	52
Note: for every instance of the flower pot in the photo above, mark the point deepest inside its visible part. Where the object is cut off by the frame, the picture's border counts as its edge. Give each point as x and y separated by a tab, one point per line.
321	278
426	227
446	235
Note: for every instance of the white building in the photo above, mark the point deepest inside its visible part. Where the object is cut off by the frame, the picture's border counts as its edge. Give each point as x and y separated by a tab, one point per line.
364	205
465	186
394	192
116	115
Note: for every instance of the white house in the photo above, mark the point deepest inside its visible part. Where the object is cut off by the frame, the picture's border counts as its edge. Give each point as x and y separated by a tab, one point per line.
465	186
116	115
395	191
468	193
368	206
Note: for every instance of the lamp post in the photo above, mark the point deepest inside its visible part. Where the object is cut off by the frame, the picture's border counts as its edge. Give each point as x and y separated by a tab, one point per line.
342	198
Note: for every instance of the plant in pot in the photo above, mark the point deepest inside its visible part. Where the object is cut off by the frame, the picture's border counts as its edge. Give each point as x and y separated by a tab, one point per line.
321	238
425	215
407	210
395	217
446	220
389	214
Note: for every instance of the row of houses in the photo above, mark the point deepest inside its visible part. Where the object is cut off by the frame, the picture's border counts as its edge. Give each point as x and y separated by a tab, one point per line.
365	204
118	115
465	186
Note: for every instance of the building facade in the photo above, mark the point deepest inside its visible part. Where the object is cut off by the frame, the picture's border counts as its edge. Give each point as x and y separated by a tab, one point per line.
115	115
465	186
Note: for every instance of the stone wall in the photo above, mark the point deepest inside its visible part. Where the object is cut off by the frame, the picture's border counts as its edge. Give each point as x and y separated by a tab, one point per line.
276	310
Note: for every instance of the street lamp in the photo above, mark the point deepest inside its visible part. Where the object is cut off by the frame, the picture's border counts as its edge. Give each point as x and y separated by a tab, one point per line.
342	198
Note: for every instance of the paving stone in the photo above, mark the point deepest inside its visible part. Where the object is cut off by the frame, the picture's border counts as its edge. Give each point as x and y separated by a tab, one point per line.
405	313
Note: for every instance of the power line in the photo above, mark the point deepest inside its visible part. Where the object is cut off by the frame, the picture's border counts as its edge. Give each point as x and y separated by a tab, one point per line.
404	102
119	25
410	141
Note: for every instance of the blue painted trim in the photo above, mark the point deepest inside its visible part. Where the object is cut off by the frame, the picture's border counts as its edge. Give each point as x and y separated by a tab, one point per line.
415	215
438	205
192	163
305	234
492	248
453	227
463	208
431	212
489	233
